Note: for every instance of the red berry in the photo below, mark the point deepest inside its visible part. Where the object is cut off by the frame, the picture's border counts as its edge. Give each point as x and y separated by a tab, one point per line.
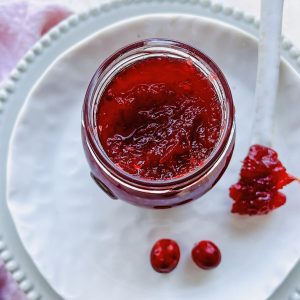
206	255
261	177
165	255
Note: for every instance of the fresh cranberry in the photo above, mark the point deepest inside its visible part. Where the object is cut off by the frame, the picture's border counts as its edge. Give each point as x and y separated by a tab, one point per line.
206	255
165	255
261	177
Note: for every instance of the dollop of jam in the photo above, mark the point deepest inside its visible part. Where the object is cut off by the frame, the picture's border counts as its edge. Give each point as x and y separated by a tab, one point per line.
261	177
159	118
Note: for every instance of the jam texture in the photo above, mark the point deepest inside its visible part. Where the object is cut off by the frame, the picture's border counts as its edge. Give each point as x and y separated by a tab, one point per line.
159	118
261	177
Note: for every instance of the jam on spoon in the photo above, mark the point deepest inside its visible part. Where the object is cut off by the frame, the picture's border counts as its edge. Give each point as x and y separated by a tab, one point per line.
261	177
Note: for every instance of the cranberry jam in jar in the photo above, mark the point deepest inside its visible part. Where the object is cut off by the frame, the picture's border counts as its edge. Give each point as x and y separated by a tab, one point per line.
158	124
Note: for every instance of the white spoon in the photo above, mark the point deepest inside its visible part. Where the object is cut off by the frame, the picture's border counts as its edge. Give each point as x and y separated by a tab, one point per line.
268	70
262	174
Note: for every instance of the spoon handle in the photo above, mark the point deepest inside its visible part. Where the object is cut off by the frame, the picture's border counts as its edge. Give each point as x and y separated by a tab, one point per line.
267	70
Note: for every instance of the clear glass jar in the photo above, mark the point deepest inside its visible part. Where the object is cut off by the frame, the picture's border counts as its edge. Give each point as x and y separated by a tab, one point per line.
156	193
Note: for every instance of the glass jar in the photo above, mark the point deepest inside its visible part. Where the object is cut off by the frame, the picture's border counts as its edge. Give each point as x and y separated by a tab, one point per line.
119	184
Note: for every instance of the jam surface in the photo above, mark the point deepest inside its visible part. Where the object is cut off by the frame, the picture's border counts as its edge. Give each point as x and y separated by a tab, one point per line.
261	177
159	118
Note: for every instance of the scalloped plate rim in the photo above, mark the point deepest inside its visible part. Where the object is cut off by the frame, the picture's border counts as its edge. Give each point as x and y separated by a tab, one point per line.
215	11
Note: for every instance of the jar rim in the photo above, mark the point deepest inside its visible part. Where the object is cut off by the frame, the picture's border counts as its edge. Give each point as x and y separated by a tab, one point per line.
95	147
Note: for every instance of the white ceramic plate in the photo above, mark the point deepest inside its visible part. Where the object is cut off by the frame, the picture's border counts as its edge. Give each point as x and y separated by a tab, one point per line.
102	246
74	235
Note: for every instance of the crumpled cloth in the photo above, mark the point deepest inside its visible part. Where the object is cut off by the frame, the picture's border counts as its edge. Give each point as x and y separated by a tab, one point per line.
21	25
8	288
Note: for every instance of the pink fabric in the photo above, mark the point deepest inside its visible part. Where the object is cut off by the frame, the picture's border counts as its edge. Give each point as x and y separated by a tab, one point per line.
8	288
21	25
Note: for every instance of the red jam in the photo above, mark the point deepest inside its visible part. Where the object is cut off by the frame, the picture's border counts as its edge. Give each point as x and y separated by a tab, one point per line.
165	256
206	255
159	118
261	177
